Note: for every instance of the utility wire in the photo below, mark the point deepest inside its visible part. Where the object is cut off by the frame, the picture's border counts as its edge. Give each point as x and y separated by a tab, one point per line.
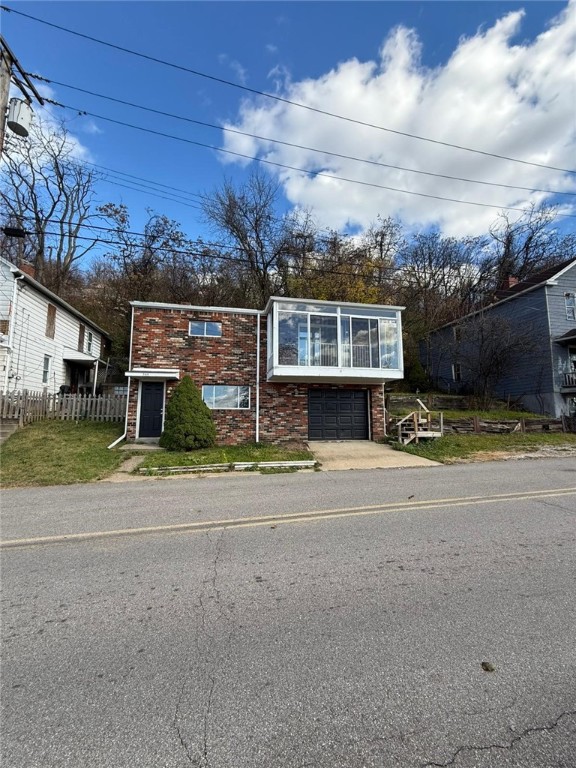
141	178
281	99
288	143
402	275
291	167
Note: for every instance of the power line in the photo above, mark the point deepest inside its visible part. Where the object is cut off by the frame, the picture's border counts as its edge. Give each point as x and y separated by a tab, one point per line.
291	144
274	97
398	273
171	199
141	178
291	167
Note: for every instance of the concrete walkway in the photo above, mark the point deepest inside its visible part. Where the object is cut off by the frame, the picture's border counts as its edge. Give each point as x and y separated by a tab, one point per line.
363	454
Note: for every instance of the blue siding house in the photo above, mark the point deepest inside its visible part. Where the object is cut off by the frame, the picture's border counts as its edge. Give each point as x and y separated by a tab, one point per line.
535	321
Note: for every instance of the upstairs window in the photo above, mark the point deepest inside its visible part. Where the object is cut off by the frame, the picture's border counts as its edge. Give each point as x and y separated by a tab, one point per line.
204	328
51	321
457	372
89	342
81	335
570	302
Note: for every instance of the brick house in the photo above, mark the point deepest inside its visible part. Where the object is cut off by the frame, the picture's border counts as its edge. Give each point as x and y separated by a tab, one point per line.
297	370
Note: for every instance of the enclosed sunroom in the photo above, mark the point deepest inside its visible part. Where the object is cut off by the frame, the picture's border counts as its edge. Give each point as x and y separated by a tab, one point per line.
333	342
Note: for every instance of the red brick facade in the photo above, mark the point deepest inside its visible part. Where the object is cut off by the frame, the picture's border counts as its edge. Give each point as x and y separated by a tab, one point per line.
160	339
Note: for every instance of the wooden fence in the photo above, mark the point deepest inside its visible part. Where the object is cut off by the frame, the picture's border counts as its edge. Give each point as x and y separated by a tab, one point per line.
28	406
476	425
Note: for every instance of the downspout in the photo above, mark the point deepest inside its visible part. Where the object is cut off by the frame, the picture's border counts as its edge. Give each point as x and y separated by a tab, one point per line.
258	316
95	378
12	329
123	436
384	407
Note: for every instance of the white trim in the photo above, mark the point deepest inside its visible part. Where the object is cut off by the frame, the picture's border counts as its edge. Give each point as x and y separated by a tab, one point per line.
154	373
194	307
313	302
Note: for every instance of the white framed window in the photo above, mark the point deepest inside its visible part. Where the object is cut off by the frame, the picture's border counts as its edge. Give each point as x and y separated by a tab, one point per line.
225	397
46	369
456	372
89	341
204	328
570	302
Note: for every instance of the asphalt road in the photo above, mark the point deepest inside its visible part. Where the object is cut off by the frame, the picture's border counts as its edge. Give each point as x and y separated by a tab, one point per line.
333	620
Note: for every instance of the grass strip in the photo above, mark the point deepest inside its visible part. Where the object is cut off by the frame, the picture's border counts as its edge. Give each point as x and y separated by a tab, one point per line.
225	455
452	448
59	453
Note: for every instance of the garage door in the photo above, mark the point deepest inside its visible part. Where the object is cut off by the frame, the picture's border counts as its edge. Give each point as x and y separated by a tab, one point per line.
337	414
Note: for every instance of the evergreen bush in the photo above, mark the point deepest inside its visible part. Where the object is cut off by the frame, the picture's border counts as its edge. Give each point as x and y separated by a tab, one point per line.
188	423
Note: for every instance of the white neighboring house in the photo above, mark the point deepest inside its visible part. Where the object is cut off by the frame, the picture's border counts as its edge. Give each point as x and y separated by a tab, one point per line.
45	344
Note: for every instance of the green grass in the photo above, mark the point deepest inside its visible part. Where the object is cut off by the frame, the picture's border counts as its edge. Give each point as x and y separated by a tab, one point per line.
225	455
456	447
59	453
497	415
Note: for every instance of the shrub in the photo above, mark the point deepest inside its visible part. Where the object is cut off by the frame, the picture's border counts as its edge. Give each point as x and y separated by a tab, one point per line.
188	422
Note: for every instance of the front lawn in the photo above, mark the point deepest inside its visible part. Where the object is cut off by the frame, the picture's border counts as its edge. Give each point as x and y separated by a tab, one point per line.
225	455
452	448
59	453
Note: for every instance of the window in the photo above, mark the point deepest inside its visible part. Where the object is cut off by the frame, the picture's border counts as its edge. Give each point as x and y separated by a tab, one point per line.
226	397
457	372
46	369
204	328
51	321
570	302
81	334
306	339
89	342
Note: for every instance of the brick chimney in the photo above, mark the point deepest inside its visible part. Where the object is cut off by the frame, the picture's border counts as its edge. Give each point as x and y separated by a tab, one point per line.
27	268
509	282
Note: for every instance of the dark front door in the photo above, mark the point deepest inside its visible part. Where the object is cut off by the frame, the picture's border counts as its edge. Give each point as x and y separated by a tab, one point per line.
151	408
337	414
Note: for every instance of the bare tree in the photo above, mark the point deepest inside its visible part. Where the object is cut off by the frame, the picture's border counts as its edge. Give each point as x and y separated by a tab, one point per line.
254	236
488	347
524	246
50	194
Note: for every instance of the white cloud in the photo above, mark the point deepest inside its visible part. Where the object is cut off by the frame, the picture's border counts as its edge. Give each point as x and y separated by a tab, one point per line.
507	98
271	48
239	71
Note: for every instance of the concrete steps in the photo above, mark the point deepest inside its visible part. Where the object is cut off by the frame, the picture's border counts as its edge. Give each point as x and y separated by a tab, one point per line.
7	428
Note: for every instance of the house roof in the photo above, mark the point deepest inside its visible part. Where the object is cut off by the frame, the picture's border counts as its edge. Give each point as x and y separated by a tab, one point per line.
271	300
539	279
568	336
535	280
53	297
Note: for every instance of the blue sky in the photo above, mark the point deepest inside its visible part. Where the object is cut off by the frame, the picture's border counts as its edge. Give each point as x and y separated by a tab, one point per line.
485	75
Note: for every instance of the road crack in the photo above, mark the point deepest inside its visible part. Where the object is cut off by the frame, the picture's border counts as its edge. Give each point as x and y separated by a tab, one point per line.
202	750
515	740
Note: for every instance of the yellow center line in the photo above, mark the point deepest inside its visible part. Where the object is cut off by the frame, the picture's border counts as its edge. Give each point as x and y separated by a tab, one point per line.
292	517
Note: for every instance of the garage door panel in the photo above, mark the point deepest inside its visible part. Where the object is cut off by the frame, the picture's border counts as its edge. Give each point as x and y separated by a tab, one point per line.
337	414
